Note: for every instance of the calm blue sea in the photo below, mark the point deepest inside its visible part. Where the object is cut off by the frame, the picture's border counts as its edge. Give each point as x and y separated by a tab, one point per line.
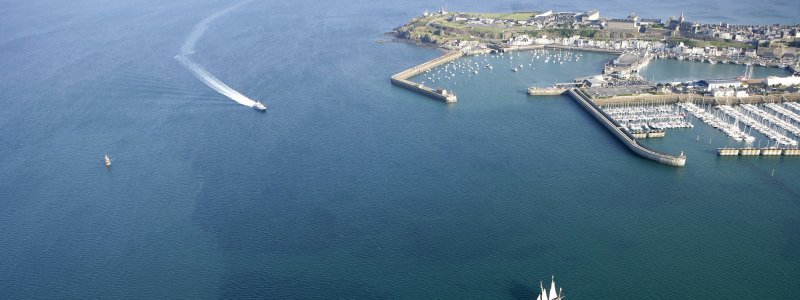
348	187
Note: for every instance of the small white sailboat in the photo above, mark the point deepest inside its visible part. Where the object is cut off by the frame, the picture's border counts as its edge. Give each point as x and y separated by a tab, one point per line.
108	161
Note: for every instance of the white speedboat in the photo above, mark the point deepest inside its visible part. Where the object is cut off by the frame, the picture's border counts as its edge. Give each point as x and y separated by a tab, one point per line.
259	107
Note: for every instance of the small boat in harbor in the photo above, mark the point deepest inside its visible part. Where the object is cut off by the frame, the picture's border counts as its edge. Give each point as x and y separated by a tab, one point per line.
108	161
259	107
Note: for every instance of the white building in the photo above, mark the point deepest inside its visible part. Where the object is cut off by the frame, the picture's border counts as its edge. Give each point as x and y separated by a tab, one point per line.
724	93
543	40
775	80
591	16
729	92
522	40
715	84
595	81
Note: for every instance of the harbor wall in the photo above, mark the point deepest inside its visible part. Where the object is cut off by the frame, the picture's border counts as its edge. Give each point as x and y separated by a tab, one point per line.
625	137
424	90
401	79
416	70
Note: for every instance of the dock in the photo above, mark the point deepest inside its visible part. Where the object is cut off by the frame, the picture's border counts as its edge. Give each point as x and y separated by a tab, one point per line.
558	88
757	152
624	136
649	134
551	91
401	79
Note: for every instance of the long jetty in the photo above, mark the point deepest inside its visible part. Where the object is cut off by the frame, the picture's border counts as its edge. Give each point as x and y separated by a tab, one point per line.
758	152
401	79
623	135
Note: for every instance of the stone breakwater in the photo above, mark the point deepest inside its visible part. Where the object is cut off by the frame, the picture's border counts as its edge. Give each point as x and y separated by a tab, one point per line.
401	79
624	136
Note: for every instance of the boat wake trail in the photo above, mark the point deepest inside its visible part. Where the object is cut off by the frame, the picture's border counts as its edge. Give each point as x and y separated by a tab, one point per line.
185	58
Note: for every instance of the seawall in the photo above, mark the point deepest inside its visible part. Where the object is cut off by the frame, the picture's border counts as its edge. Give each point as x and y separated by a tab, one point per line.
401	79
625	137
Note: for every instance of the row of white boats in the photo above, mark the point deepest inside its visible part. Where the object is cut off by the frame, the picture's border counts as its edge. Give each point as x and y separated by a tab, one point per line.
713	120
647	118
774	120
726	118
746	113
793	105
785	112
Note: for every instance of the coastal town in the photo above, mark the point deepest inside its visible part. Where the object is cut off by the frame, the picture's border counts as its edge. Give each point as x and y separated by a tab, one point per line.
676	37
629	105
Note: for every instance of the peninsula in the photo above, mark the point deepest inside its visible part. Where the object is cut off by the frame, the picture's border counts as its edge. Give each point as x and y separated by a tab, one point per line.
637	41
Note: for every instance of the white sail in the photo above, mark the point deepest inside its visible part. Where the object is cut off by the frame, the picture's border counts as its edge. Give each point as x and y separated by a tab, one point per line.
544	292
553	291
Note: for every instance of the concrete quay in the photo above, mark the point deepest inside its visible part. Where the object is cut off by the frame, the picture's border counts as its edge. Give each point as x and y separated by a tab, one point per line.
401	79
757	152
552	91
625	137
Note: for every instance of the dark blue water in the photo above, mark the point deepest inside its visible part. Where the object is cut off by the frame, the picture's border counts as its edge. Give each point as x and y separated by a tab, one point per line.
349	187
